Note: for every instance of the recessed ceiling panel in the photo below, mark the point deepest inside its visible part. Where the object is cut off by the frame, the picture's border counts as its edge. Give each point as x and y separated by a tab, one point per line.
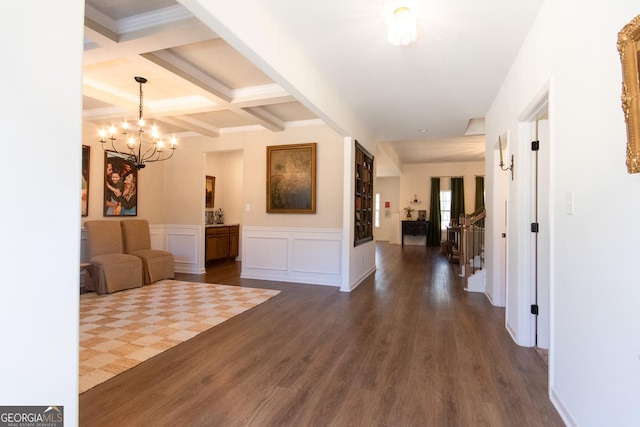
290	111
118	75
219	60
118	9
223	119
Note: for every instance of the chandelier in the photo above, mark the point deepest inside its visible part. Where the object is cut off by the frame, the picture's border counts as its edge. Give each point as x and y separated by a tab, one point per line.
154	152
402	26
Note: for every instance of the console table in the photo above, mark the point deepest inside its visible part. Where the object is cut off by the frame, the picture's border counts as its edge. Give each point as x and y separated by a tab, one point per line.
415	228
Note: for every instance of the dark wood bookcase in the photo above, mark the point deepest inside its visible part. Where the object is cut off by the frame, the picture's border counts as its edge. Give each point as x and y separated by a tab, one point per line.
363	196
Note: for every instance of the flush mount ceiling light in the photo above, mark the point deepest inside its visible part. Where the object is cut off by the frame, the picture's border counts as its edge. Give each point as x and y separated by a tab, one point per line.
402	26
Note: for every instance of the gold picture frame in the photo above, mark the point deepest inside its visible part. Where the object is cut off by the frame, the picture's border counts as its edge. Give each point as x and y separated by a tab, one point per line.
210	191
291	178
629	49
84	198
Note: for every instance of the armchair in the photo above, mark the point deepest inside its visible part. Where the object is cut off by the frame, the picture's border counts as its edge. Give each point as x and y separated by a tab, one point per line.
157	264
113	270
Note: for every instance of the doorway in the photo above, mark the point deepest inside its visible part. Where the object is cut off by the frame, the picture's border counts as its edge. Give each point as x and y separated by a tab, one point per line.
540	236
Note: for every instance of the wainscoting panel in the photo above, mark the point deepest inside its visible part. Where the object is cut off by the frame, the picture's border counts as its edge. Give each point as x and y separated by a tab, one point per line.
185	243
305	261
300	255
266	253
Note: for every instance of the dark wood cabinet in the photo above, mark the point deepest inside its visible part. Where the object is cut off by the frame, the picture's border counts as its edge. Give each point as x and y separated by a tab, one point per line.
221	242
234	238
415	228
363	211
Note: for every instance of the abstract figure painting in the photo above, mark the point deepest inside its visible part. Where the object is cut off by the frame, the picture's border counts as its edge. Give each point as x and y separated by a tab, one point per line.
291	178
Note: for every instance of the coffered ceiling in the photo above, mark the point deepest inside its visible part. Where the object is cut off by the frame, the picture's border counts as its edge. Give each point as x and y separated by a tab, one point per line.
199	85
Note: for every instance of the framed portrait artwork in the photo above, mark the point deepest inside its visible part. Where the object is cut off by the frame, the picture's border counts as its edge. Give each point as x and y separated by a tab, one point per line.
210	191
84	195
120	185
291	178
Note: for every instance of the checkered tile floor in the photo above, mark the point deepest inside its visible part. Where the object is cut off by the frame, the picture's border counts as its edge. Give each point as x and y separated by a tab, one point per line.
123	329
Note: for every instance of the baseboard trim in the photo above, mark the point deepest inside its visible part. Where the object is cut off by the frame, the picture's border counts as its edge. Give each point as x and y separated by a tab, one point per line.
562	410
357	283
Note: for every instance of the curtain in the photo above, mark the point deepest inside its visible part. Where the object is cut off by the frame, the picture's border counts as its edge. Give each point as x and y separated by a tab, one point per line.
434	235
479	192
457	198
480	196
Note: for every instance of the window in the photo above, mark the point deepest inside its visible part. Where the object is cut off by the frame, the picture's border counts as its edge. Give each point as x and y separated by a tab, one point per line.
445	209
377	214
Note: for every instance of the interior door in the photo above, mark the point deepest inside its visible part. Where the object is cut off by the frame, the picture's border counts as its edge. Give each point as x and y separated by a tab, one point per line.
543	236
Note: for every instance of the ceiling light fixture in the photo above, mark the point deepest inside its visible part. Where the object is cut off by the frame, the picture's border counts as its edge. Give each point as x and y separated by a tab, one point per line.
154	153
402	26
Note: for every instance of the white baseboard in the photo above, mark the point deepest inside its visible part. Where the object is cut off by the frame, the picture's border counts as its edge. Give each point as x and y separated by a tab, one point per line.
357	283
561	408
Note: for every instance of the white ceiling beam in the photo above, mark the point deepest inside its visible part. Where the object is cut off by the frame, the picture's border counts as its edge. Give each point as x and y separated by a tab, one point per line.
194	125
263	117
181	68
260	95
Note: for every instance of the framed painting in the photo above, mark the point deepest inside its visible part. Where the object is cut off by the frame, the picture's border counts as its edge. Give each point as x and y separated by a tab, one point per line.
84	195
210	191
291	178
120	185
629	49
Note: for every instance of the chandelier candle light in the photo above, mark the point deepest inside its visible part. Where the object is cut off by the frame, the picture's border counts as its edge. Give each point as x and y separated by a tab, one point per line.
154	153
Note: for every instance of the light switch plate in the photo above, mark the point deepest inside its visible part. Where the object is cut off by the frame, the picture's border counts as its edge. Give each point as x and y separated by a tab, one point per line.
569	203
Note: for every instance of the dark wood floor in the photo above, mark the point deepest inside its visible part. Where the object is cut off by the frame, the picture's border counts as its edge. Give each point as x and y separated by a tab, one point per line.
409	347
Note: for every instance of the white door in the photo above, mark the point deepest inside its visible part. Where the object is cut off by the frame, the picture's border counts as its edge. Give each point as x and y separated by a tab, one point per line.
543	272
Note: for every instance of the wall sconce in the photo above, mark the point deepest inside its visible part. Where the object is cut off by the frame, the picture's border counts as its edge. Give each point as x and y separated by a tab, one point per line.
502	161
415	200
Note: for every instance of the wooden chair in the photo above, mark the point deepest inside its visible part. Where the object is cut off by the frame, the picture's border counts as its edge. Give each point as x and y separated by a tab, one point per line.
112	269
157	264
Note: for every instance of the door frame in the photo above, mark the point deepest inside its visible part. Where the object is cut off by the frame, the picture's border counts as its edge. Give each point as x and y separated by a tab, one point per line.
528	126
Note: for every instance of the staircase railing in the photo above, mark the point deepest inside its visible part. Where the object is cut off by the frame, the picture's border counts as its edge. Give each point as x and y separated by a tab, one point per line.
472	242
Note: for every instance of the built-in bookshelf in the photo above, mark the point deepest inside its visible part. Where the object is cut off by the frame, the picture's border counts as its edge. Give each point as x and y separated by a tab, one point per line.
363	196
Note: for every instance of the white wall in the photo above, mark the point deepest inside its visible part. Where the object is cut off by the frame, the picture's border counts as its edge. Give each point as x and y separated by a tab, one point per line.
228	169
329	177
594	367
416	180
238	161
389	189
39	218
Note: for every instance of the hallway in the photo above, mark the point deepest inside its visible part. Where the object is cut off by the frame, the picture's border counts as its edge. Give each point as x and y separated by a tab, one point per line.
409	347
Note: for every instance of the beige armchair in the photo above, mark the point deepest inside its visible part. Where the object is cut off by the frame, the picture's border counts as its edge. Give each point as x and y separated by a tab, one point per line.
157	264
113	270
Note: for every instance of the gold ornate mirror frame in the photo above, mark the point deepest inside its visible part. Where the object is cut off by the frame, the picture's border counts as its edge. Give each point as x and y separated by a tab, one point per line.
629	48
